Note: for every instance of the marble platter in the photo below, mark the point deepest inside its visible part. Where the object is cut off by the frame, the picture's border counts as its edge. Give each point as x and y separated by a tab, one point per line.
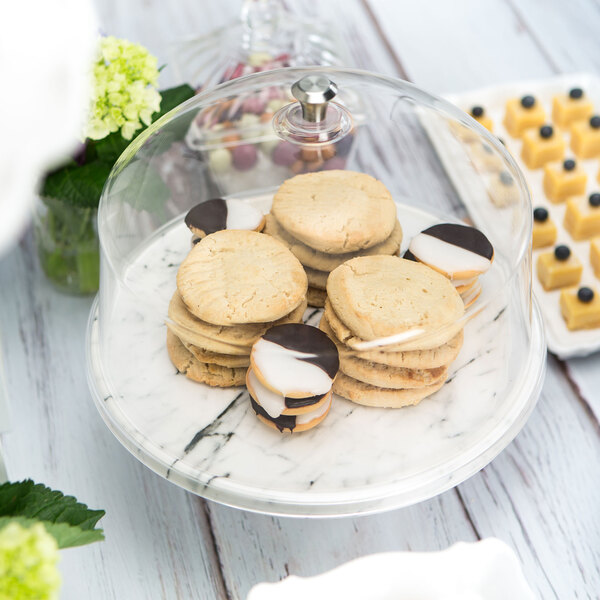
359	460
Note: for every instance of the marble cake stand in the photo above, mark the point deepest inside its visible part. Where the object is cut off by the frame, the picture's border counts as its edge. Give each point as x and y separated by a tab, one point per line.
359	460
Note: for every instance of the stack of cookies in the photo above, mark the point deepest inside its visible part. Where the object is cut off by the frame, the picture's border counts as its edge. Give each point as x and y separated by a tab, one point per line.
329	217
292	371
397	325
231	288
459	252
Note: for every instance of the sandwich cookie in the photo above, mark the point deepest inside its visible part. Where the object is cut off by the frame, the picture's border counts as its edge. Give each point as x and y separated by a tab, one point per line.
236	335
276	405
412	359
456	251
211	374
322	261
390	299
396	378
295	361
388	344
371	395
292	423
235	277
217	214
335	211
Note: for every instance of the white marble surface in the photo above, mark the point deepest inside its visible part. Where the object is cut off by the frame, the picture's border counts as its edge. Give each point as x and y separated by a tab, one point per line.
359	459
540	495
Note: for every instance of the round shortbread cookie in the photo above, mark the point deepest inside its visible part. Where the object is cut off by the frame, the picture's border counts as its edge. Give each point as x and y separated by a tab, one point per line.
335	211
370	395
353	342
412	359
235	277
292	423
237	335
395	378
316	297
321	261
276	405
317	279
384	296
215	358
211	374
191	337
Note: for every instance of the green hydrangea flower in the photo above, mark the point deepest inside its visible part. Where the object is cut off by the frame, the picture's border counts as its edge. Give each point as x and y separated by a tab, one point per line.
28	559
124	93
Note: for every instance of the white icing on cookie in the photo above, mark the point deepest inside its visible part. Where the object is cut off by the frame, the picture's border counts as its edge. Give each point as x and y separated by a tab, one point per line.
242	215
274	404
284	371
446	257
313	414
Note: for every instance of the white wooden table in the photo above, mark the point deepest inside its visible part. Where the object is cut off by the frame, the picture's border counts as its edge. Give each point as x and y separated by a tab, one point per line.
541	495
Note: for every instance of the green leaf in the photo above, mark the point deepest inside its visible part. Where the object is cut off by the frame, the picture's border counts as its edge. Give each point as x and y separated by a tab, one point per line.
66	536
79	185
142	186
69	521
171	98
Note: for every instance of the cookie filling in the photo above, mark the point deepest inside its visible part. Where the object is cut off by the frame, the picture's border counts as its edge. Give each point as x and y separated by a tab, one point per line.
290	421
218	214
274	404
296	357
453	249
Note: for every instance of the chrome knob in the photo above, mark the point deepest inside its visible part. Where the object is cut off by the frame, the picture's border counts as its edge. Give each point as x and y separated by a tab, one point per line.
314	92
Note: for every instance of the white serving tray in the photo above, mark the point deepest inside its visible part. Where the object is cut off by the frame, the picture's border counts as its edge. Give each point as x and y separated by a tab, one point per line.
560	340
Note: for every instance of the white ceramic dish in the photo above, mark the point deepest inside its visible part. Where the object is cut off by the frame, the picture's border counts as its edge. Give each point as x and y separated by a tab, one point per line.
560	340
359	460
485	570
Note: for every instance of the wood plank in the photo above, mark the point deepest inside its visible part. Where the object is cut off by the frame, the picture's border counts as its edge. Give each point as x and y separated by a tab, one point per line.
541	495
257	548
456	46
568	38
158	544
584	374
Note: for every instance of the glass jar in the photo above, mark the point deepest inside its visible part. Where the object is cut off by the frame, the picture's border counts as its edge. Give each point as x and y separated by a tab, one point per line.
66	237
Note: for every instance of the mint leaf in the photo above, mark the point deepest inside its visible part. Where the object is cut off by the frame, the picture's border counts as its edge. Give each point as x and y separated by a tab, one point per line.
142	186
171	98
79	185
66	536
69	521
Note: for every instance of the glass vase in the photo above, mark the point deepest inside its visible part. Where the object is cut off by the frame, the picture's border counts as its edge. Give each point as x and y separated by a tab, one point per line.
66	237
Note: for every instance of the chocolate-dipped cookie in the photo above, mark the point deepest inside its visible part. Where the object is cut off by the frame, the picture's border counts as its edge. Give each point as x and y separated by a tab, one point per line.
290	422
456	251
218	214
295	360
276	405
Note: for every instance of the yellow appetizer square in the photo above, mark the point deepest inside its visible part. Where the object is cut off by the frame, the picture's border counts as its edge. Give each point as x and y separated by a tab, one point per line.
580	314
595	256
541	146
585	138
544	234
571	107
502	189
582	216
554	273
563	179
522	114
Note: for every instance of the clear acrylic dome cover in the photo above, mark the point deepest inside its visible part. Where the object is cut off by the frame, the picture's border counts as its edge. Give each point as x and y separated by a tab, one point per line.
242	140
